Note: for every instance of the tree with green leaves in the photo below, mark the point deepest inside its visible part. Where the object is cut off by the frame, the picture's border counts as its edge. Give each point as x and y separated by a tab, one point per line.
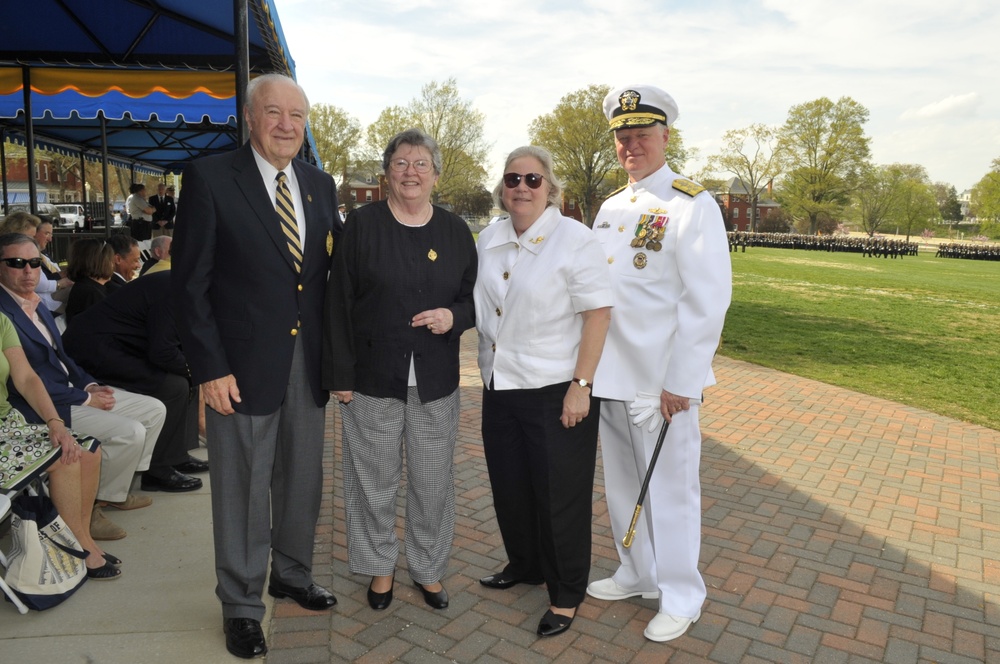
947	201
985	204
916	207
583	151
823	150
750	154
451	121
459	131
390	122
875	197
337	135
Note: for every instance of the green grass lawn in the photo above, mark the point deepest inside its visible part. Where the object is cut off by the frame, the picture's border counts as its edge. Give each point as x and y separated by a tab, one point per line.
922	331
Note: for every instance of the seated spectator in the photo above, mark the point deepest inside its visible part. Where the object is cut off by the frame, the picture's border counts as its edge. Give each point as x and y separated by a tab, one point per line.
74	477
130	341
20	222
159	250
90	267
126	261
53	278
126	424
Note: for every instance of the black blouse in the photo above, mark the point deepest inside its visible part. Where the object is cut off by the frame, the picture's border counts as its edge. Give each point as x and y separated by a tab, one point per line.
384	273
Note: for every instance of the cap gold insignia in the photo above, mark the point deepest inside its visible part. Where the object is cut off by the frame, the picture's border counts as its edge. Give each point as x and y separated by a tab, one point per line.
629	100
329	243
309	197
537	240
433	255
639	261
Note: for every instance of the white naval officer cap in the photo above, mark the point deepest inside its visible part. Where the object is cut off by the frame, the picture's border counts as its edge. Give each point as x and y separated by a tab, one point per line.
639	106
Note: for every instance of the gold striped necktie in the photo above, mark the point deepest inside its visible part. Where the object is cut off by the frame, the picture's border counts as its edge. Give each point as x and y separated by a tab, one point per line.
286	211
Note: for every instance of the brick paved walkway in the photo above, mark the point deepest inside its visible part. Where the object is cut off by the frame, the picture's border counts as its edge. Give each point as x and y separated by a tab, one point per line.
837	528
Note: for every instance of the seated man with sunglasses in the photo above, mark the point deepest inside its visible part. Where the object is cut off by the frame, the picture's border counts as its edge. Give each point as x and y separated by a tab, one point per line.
126	424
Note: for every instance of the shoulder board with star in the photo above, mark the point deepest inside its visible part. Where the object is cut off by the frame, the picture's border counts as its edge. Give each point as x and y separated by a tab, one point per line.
616	191
686	186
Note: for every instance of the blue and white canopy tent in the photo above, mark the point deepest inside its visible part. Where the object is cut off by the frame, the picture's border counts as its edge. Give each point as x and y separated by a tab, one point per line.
147	84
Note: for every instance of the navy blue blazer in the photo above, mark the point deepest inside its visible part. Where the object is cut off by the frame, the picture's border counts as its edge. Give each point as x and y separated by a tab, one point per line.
239	303
65	390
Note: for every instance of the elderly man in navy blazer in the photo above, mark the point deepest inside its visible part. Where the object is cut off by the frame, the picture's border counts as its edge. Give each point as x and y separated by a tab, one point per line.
253	241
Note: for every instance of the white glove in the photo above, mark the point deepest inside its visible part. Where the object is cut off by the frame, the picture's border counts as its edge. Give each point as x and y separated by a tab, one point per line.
646	407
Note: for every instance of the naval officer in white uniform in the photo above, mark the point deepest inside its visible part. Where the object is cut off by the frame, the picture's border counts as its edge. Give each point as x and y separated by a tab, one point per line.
670	274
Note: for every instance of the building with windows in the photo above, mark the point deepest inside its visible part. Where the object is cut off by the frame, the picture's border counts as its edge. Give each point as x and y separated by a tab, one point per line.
735	201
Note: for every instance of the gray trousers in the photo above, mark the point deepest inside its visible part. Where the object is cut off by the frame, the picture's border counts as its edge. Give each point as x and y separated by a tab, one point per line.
267	481
375	434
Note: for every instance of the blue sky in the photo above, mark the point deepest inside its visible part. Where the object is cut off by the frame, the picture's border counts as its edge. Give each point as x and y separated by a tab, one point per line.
926	71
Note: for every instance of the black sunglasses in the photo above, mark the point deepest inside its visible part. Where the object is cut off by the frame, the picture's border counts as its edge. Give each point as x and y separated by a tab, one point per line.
533	180
19	263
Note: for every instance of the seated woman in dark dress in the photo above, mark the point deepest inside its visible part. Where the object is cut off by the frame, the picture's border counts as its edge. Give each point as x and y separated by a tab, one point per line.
91	264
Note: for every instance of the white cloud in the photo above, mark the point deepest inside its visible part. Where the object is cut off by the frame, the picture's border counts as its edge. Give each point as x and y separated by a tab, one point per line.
950	107
727	63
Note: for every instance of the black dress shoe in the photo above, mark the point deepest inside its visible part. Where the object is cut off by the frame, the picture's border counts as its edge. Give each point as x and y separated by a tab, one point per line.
192	465
169	480
438	600
380	601
553	623
503	581
314	597
244	637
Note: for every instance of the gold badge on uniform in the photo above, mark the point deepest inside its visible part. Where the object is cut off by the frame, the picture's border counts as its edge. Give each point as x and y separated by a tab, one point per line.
537	240
309	197
329	243
639	261
433	255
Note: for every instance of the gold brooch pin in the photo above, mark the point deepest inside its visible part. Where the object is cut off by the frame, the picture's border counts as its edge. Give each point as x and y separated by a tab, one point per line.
433	255
537	240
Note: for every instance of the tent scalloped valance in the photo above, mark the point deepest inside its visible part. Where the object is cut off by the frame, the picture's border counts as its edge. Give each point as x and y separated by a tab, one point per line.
133	83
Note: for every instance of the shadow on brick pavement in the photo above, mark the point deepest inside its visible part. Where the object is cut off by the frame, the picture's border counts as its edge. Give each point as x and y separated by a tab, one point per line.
837	528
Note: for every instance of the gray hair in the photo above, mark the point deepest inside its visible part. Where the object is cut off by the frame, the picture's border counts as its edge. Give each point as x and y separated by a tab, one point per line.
11	239
554	198
158	242
416	138
254	86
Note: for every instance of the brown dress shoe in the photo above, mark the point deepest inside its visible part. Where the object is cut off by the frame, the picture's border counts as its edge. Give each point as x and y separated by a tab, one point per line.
133	502
101	528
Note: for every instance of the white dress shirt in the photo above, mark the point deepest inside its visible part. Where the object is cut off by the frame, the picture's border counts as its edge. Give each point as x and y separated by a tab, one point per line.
529	294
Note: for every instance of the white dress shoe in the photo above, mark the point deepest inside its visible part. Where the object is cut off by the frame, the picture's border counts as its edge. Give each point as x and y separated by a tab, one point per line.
611	591
665	627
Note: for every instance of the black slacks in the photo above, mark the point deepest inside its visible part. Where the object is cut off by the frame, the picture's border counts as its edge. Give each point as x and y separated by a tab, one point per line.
542	476
180	427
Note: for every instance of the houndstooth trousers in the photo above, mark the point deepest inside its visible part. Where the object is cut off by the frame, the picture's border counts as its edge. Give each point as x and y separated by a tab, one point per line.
377	432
